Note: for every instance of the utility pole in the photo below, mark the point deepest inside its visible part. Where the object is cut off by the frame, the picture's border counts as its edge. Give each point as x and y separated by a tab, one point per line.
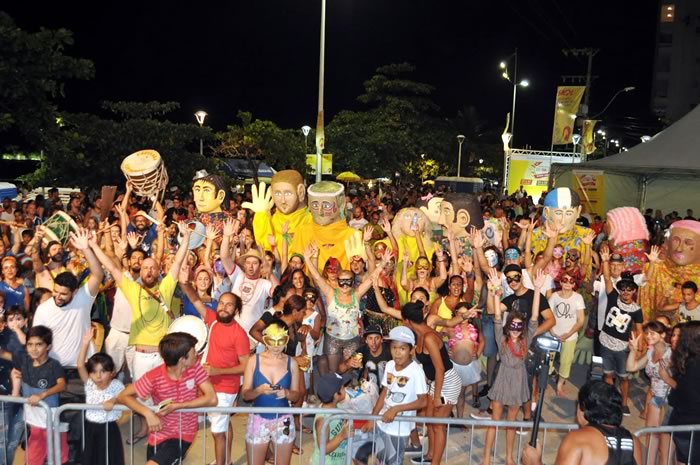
590	53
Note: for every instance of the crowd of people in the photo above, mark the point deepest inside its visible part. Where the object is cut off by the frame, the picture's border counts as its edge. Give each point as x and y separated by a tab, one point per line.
207	298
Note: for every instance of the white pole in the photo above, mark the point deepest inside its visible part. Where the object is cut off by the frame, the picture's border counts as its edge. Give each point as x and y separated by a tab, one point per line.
459	160
515	92
319	120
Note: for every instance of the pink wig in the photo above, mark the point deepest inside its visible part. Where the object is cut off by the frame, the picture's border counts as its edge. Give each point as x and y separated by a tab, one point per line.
628	224
690	225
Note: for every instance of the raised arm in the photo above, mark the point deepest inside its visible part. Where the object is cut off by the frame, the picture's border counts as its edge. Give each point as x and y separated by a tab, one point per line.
404	271
386	226
442	268
552	238
181	251
189	291
35	250
107	262
230	229
85	241
633	364
310	254
653	257
381	301
605	258
82	355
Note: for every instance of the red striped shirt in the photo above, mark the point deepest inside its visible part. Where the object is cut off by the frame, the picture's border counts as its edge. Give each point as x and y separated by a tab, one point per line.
158	385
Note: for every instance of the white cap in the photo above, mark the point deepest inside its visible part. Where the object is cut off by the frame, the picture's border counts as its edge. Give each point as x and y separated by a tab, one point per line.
402	334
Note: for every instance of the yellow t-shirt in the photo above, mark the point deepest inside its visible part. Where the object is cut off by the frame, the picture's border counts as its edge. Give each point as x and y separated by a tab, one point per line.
149	321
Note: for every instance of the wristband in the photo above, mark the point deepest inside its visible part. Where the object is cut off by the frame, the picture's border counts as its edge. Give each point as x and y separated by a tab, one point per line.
470	275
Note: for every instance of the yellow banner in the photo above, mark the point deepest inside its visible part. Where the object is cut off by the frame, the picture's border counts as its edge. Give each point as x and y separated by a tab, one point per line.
568	101
326	163
532	175
590	187
320	134
588	138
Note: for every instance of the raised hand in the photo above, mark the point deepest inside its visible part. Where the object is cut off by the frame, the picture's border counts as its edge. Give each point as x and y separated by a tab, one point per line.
653	254
367	233
119	247
354	247
184	229
285	227
477	238
588	237
212	231
438	252
604	253
466	263
262	199
81	239
133	239
524	223
494	278
231	227
551	232
311	251
540	277
386	225
87	337
634	342
184	274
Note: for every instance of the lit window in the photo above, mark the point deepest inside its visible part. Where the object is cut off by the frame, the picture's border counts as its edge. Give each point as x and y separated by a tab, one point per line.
668	12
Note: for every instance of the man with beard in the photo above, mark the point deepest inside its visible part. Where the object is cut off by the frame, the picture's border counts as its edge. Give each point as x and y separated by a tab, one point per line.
224	361
67	315
117	342
46	273
247	283
140	224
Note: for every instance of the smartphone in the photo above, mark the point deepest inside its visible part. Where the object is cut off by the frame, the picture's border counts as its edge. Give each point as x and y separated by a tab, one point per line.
164	404
275	387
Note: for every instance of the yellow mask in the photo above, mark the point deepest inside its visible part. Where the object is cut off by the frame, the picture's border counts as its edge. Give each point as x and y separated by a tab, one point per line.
275	336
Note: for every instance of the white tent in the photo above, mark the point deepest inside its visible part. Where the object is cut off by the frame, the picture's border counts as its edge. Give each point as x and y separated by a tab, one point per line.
662	173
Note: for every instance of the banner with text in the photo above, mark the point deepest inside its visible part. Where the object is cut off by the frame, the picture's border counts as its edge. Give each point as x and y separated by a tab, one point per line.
533	175
326	164
566	107
590	187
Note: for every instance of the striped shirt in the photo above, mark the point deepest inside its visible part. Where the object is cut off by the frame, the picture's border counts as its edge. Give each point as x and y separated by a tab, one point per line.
158	385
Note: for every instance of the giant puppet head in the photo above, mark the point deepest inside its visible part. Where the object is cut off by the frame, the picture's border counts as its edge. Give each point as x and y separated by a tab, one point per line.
408	221
327	202
459	212
683	244
210	192
432	209
288	191
562	208
625	224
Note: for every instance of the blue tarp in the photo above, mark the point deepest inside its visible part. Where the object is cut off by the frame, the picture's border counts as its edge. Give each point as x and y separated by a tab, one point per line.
7	190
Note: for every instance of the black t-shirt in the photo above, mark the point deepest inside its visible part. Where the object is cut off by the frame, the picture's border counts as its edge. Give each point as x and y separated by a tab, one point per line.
620	318
374	366
523	304
42	377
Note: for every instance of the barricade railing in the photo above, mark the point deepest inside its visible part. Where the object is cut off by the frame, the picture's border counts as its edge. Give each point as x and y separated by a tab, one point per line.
665	436
278	412
451	423
6	425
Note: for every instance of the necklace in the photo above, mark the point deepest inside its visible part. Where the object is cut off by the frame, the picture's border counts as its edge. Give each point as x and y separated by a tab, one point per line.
518	352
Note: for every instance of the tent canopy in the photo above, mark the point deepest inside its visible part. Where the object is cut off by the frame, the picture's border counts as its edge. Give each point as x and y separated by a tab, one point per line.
672	152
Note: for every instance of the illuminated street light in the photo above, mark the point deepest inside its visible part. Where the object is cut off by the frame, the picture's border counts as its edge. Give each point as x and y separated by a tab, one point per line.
515	83
645	139
201	115
306	130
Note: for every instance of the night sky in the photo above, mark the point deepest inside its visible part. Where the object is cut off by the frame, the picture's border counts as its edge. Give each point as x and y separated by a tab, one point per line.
262	56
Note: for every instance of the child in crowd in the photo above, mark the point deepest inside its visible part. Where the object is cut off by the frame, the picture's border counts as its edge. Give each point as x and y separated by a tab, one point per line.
688	309
330	390
11	426
404	391
42	380
312	320
100	389
174	385
16	318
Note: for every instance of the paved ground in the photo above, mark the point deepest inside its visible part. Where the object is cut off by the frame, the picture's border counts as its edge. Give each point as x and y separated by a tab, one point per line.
460	441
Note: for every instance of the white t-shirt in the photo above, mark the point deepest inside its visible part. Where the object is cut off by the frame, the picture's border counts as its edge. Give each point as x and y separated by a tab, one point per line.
599	287
93	395
565	311
405	387
689	315
358	223
121	313
253	294
68	323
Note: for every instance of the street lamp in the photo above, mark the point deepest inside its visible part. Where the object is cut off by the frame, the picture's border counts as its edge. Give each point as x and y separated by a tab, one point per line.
306	130
201	115
506	137
460	139
625	89
514	81
645	139
320	138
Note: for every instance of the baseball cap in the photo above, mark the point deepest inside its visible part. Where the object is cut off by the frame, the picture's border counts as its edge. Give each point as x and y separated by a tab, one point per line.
373	329
327	385
512	268
616	257
402	334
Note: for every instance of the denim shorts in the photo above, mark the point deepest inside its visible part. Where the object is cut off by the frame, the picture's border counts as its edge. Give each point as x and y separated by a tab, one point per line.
487	329
659	401
614	361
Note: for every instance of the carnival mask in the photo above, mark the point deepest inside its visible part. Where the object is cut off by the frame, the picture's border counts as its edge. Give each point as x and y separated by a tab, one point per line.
491	258
562	208
275	336
326	199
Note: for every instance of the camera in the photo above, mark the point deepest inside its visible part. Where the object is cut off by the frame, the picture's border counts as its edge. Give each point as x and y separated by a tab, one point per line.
596	370
548	344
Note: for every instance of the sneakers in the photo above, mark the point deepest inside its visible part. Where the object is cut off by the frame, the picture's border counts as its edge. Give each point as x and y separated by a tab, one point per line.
480	415
420	460
625	410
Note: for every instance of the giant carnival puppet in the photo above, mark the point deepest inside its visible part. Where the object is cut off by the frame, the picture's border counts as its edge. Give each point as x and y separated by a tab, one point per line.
680	263
328	230
411	229
210	194
628	236
288	194
458	214
562	207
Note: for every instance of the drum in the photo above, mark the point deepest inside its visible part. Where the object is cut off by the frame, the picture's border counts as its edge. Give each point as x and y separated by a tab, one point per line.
58	228
194	326
199	234
146	171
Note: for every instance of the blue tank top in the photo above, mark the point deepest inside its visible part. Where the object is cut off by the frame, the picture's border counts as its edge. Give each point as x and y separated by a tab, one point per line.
271	400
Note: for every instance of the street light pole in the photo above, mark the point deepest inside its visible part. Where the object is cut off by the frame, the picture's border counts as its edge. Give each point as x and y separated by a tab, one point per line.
320	142
306	130
201	115
460	139
515	94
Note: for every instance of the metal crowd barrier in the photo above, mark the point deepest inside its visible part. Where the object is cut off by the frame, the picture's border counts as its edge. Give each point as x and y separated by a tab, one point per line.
301	412
467	423
671	431
49	429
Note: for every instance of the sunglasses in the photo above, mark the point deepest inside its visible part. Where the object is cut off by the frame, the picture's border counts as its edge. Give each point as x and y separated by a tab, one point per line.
396	397
310	297
566	280
516	326
401	381
287	423
345	282
514	277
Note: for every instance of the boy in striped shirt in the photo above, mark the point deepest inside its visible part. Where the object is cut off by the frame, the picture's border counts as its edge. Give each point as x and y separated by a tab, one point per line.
179	383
